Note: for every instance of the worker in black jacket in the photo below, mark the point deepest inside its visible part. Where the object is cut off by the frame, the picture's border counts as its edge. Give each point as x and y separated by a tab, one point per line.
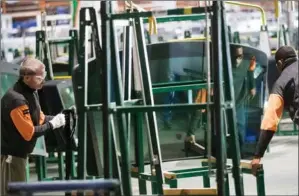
22	122
284	94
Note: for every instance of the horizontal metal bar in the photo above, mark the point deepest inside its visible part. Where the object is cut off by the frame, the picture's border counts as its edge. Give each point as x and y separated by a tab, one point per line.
180	88
51	178
98	107
188	191
286	133
192	174
180	159
178	83
147	177
246	171
62	40
189	170
174	159
177	11
135	109
193	17
54	186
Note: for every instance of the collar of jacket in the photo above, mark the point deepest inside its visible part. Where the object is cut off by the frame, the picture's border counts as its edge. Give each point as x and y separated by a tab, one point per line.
24	86
290	61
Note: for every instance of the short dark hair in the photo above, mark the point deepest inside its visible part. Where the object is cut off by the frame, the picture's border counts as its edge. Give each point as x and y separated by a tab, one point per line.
284	53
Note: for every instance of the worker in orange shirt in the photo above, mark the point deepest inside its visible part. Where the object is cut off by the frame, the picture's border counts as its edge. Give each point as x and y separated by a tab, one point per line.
284	95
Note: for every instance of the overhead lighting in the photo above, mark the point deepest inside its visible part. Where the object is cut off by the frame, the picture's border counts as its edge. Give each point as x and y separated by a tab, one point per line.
11	2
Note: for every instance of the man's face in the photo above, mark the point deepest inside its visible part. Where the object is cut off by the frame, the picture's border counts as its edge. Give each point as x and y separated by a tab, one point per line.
238	56
36	80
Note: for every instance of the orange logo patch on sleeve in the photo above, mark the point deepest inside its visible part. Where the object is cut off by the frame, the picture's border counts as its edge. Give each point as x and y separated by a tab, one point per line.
26	113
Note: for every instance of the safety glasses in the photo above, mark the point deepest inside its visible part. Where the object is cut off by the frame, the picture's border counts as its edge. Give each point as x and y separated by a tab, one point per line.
40	77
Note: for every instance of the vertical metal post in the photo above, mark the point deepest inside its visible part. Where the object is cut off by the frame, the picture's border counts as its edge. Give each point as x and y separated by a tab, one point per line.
43	53
127	67
73	51
46	58
218	96
231	112
116	168
139	151
76	42
286	35
230	37
152	121
1	56
38	40
106	44
82	116
128	61
121	117
260	182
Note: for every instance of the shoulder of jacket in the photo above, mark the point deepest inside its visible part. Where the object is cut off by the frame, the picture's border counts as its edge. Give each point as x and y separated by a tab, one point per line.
13	99
289	72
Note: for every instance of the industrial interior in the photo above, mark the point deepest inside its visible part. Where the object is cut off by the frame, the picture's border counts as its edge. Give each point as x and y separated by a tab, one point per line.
131	75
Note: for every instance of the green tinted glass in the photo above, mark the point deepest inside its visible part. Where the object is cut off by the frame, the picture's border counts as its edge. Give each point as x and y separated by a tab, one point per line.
7	81
67	96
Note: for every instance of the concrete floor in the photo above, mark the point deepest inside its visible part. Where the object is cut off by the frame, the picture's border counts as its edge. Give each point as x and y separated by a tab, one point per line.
281	171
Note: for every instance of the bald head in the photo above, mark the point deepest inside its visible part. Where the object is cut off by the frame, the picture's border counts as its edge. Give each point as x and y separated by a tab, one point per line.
285	52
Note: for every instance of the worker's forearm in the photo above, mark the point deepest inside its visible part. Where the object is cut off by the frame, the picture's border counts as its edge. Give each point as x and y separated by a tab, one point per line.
262	145
48	118
42	129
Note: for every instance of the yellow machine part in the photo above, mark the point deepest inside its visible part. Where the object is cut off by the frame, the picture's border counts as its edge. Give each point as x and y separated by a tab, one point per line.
62	77
189	39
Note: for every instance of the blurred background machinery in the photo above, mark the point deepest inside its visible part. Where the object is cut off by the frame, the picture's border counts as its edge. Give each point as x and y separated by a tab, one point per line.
48	30
20	20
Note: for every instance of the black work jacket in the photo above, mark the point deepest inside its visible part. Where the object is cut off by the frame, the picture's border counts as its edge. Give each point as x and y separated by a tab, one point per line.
22	120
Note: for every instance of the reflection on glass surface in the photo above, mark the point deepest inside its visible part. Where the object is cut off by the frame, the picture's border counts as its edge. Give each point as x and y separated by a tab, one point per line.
7	81
174	125
67	96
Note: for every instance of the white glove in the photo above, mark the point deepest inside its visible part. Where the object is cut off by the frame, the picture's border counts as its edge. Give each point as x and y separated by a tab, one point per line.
58	121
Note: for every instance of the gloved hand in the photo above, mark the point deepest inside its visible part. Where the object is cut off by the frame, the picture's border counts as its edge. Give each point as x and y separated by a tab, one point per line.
58	121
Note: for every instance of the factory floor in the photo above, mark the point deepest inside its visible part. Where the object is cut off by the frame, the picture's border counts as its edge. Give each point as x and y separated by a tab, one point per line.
281	171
